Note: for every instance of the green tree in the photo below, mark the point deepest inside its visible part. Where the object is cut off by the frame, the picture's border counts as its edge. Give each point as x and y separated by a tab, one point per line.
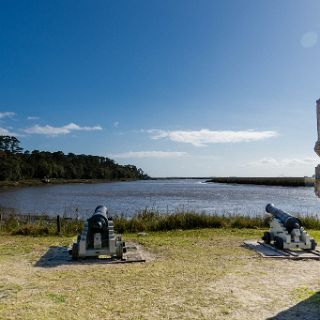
37	164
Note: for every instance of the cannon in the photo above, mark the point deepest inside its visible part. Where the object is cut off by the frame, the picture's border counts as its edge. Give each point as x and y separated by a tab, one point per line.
286	231
98	238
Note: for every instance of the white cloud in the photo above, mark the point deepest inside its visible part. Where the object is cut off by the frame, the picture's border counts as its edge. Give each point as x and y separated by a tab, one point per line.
309	39
33	118
116	124
287	162
6	114
149	154
54	131
204	137
6	132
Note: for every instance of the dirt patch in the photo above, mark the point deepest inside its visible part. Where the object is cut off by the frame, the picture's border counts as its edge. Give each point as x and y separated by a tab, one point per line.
143	252
266	288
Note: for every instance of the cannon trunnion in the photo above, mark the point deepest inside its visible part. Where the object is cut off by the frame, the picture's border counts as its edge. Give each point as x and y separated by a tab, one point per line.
286	231
98	238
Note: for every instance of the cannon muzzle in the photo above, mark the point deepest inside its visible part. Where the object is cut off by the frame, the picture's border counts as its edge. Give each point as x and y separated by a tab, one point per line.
99	220
289	222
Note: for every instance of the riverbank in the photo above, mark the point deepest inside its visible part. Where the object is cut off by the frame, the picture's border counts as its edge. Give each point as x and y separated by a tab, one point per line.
267	181
37	182
194	274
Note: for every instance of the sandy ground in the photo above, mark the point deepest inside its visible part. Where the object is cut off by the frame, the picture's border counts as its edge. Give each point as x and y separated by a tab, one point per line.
187	275
264	289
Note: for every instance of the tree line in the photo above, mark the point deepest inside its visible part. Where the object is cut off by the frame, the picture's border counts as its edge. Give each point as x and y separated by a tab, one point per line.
18	165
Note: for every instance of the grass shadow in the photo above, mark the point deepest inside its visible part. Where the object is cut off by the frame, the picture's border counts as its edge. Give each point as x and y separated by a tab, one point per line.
308	309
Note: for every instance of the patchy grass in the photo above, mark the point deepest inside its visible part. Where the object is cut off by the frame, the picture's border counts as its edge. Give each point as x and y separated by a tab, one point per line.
57	298
197	274
303	293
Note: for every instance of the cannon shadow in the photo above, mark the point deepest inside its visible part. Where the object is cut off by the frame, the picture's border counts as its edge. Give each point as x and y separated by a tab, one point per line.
308	309
56	256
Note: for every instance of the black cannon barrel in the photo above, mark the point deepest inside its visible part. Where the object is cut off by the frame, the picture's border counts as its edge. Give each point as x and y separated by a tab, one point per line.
102	210
290	222
99	219
98	223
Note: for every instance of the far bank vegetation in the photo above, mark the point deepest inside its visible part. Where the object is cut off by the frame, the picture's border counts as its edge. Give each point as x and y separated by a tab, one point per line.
267	181
17	165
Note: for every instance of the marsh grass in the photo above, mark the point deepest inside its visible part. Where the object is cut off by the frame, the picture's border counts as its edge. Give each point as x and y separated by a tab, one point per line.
145	220
310	222
41	225
154	221
267	181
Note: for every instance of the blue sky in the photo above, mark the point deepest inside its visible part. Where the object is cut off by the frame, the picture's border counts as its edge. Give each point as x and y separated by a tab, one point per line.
178	88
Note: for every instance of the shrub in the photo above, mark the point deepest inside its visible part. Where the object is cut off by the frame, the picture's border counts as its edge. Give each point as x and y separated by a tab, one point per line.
154	221
31	230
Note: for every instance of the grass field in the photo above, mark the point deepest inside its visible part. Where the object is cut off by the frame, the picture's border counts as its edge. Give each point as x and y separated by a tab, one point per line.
194	274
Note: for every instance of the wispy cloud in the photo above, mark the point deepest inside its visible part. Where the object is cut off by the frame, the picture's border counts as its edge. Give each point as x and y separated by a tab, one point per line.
287	162
149	154
309	39
33	118
6	132
55	131
6	115
116	124
204	137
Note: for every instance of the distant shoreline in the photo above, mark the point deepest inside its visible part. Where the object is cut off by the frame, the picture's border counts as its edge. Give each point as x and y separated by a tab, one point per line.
266	181
36	182
179	178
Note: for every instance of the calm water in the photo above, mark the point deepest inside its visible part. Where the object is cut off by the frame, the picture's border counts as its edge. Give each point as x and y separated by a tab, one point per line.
164	195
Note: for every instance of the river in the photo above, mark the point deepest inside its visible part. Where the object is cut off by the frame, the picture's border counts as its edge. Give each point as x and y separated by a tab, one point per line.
166	196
